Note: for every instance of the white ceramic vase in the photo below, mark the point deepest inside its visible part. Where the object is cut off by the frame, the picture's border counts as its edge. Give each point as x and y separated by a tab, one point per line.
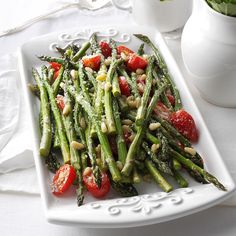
209	54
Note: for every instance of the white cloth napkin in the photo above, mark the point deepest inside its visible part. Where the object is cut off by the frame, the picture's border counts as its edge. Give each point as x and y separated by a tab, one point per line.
17	172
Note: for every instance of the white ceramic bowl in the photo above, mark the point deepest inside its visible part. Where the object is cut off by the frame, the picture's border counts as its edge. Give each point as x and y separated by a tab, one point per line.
209	54
165	16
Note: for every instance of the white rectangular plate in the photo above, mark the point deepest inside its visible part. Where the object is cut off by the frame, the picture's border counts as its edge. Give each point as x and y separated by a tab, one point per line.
152	206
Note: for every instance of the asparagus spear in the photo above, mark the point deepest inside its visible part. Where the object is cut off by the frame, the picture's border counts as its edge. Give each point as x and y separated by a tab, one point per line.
92	157
81	52
164	97
161	165
52	163
153	139
144	100
91	79
34	89
115	86
56	141
52	59
108	98
74	156
159	179
71	136
124	189
163	66
197	159
62	61
98	85
57	116
183	183
82	82
101	136
190	165
136	176
121	145
131	81
77	113
50	75
140	133
56	84
78	128
141	49
46	138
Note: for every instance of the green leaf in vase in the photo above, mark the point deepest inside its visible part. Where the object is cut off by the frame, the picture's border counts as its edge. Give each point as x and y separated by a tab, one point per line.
226	7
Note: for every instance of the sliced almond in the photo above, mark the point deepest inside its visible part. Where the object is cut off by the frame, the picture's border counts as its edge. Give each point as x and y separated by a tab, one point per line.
126	122
119	165
103	127
155	147
107	61
66	110
154	126
139	71
123	56
190	150
88	69
74	74
77	145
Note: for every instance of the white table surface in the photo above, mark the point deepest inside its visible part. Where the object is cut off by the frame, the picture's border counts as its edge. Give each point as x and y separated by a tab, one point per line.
23	214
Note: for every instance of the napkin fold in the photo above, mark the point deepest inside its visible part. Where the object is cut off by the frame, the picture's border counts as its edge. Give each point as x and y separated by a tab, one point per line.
17	171
16	157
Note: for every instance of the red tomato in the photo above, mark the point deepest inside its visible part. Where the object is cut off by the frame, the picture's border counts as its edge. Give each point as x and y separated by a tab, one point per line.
63	179
56	73
92	187
93	62
171	99
162	111
185	124
136	62
106	49
60	102
124	87
56	66
124	49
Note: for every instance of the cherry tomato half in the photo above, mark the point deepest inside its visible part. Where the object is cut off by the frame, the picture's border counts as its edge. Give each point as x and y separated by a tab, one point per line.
63	179
185	124
124	86
56	66
92	61
124	49
92	187
106	49
60	102
136	62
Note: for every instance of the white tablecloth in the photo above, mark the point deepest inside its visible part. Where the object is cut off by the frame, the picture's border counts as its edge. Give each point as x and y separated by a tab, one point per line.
23	214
